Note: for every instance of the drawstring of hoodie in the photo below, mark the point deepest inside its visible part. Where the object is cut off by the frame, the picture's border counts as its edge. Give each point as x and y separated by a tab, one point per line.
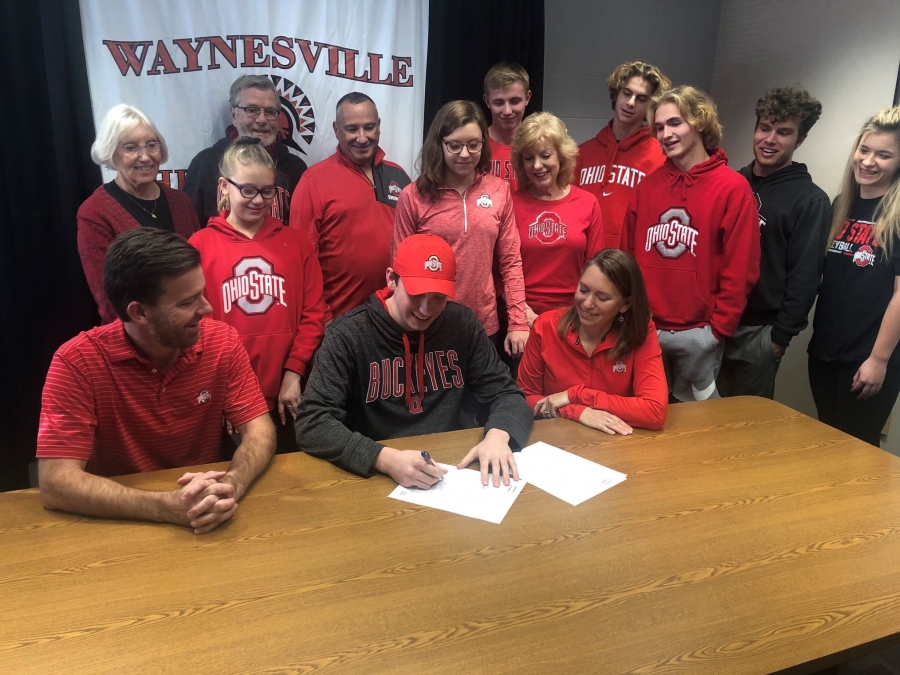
414	401
686	181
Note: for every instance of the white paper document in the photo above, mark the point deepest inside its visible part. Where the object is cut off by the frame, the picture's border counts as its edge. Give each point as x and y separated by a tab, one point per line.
572	478
461	492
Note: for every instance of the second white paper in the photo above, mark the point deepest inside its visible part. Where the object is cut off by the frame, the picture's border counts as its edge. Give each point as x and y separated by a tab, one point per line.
572	478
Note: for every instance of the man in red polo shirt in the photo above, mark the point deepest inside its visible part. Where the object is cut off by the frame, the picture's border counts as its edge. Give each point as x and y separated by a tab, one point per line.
148	392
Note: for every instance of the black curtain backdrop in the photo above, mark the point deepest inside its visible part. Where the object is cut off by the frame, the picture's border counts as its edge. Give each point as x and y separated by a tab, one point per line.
47	172
467	37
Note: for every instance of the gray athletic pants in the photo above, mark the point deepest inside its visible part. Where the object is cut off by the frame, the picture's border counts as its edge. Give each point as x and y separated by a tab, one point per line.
691	359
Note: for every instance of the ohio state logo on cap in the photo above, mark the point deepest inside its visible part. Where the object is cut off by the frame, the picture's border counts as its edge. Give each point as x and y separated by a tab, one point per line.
433	264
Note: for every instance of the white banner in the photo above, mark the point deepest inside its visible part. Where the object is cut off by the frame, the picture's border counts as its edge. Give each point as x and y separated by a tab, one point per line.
175	61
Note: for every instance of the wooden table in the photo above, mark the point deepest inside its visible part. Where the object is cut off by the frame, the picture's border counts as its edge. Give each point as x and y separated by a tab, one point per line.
748	538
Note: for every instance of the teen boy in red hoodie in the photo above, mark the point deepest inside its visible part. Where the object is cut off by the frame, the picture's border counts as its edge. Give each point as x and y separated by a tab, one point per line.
693	228
612	164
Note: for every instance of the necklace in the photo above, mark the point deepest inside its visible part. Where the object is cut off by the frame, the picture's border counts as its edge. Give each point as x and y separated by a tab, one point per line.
138	204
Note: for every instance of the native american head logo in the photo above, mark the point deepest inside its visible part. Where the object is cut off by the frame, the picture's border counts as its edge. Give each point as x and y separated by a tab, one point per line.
297	123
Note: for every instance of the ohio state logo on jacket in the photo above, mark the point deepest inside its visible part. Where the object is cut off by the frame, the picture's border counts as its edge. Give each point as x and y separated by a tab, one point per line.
673	235
254	288
547	228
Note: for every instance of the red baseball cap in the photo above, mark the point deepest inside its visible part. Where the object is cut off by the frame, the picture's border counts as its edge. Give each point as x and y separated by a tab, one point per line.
426	264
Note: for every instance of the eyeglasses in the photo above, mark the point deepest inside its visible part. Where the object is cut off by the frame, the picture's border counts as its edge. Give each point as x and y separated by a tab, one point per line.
454	147
250	191
253	112
150	148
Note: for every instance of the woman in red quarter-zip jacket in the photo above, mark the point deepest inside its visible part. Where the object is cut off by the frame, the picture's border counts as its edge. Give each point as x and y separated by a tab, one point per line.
456	199
598	362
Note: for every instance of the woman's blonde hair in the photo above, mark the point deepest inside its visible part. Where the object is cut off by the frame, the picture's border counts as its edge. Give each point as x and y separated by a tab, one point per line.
542	127
696	108
245	151
887	215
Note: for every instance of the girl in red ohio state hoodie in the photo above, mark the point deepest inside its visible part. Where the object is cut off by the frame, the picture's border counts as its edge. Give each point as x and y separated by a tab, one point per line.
262	278
694	230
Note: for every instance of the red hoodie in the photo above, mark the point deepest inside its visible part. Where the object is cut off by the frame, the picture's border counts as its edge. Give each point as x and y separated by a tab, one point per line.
611	170
695	235
270	289
633	387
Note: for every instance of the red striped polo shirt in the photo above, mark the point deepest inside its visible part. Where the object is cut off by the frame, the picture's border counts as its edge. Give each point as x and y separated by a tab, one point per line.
105	404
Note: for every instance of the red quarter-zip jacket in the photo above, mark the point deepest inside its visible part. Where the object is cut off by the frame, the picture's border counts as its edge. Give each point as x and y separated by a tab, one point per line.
632	387
270	289
478	224
695	235
349	220
611	170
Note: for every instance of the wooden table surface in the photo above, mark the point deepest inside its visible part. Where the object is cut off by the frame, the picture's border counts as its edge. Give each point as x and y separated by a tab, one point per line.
748	538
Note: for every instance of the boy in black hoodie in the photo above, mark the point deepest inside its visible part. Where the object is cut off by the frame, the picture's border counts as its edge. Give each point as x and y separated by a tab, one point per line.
794	219
398	365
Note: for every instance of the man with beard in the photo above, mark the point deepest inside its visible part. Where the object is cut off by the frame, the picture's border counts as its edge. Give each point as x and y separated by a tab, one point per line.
794	220
255	112
149	391
345	205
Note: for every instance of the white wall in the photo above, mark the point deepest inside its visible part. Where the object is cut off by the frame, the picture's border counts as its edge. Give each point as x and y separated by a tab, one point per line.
847	55
586	39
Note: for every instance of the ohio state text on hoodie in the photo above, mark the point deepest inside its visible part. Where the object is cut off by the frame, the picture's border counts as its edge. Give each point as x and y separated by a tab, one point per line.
270	289
611	170
370	380
695	235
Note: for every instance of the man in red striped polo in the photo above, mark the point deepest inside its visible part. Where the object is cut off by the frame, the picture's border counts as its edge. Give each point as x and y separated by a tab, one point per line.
149	391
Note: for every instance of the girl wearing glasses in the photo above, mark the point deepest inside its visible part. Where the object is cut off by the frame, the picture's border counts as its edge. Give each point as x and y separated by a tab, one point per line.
262	279
854	363
456	199
128	142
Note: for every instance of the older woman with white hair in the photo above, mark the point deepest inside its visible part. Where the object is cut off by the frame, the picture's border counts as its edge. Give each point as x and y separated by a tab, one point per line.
130	143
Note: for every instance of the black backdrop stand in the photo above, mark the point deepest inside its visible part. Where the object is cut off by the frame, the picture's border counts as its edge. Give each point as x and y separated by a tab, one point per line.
46	172
467	37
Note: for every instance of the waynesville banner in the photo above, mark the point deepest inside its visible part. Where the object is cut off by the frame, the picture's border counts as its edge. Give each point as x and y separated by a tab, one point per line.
175	61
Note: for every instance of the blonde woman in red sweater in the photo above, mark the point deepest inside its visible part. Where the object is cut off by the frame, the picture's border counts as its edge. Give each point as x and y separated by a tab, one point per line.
599	362
456	199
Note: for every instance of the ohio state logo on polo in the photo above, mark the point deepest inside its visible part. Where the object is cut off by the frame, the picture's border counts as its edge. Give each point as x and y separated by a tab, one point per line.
255	287
673	235
547	228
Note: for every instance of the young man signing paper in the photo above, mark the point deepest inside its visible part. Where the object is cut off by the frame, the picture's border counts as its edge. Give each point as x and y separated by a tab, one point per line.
398	365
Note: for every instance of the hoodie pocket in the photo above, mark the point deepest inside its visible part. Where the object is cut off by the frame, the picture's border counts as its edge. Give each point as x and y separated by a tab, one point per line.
675	297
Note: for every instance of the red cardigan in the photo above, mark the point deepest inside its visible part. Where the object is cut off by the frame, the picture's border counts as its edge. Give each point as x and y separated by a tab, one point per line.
633	387
101	219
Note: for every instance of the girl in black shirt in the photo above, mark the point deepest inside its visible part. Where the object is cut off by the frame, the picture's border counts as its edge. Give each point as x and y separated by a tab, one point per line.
854	368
